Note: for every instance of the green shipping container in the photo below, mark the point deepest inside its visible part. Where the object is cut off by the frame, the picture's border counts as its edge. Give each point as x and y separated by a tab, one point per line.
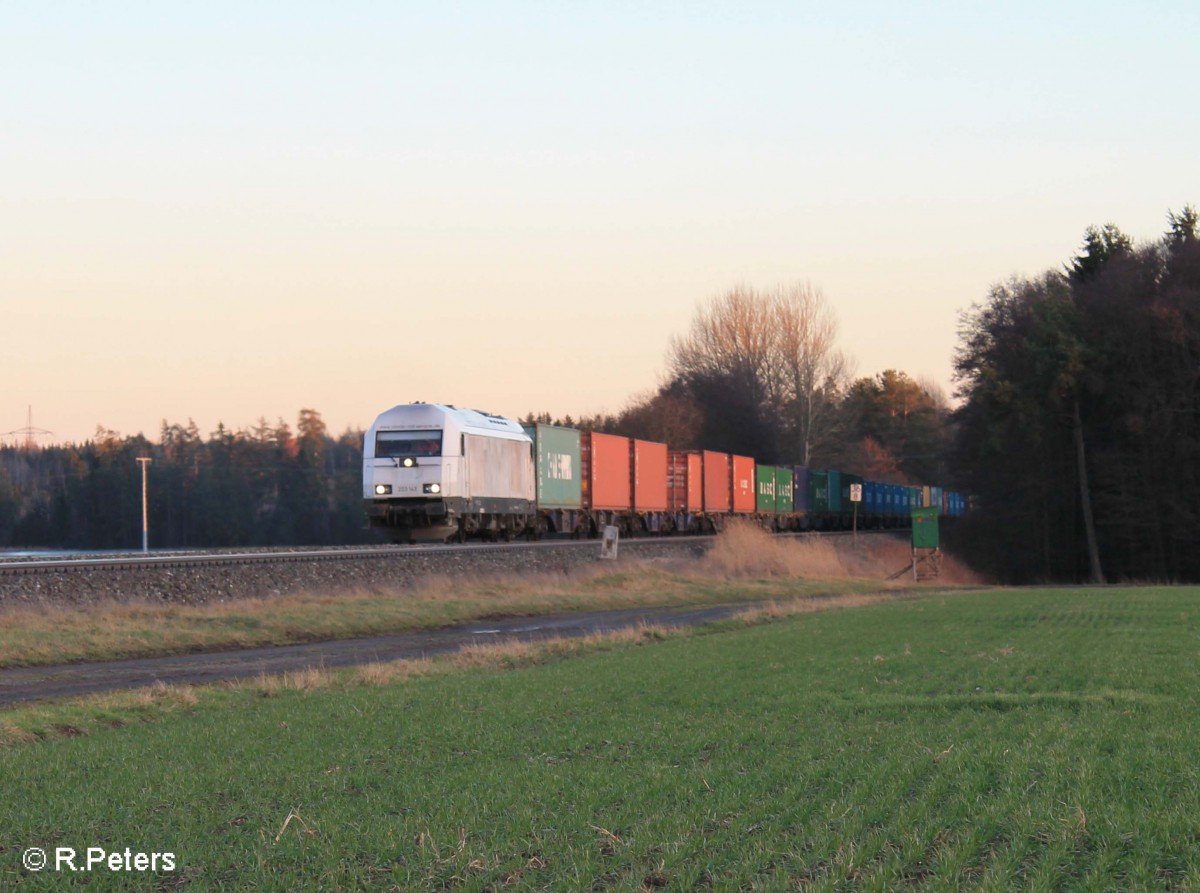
765	476
783	490
818	488
925	528
556	454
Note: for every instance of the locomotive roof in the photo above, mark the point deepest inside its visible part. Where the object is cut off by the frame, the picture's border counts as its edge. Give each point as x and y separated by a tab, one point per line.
425	415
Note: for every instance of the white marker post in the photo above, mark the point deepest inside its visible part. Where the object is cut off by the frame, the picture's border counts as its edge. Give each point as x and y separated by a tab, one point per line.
608	542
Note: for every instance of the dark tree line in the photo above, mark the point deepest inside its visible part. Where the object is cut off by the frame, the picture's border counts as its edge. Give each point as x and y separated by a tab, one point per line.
1079	432
262	486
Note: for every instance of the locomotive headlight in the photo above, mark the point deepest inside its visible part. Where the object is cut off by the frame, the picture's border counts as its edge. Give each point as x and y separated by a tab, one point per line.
409	462
383	489
433	488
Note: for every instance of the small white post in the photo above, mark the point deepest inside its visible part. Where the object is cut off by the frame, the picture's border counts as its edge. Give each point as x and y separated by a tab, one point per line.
608	542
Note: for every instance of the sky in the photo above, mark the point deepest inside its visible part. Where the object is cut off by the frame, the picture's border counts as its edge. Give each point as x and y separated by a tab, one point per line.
227	211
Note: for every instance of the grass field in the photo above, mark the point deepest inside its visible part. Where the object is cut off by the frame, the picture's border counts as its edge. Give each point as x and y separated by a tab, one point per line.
1040	739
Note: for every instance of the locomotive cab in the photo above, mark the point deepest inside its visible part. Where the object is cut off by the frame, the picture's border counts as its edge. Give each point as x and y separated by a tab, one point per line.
434	473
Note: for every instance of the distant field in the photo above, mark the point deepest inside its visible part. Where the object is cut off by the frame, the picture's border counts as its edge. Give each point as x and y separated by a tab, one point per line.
1038	740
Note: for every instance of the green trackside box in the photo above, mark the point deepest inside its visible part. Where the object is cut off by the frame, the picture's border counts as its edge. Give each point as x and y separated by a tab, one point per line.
766	501
556	456
925	528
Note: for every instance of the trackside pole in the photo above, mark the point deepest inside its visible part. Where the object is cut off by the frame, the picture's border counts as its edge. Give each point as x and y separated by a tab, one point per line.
144	461
855	499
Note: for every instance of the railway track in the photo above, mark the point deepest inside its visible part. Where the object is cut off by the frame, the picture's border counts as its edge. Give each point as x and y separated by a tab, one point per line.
10	567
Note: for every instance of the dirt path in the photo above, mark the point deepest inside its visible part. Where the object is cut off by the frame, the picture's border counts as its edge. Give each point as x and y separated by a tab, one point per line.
69	680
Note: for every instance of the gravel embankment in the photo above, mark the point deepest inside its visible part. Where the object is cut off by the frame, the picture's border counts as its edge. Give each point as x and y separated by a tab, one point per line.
206	583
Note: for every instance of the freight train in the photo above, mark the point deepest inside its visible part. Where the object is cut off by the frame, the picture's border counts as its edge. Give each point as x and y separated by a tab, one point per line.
435	472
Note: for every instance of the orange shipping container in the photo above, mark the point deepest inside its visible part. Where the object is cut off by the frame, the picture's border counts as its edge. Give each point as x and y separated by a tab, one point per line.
716	482
743	485
605	465
649	476
686	481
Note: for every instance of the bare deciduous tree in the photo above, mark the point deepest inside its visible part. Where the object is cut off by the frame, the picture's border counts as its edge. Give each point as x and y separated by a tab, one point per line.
814	371
773	355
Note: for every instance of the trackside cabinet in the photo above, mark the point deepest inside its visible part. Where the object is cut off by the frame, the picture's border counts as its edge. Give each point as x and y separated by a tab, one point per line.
925	528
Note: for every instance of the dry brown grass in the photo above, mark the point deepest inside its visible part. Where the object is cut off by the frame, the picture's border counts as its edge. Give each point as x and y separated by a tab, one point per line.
778	610
504	654
746	550
309	679
13	735
159	697
391	672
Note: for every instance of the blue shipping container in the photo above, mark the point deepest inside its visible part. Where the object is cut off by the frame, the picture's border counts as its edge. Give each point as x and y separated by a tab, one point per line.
801	497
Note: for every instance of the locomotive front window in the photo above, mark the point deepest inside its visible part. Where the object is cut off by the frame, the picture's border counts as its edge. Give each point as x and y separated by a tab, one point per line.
402	444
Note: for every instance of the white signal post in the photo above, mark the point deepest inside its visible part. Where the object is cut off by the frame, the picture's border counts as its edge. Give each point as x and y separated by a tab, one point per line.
855	498
144	461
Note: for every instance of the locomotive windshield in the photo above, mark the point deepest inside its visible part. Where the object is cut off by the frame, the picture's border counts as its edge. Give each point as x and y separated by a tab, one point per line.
402	444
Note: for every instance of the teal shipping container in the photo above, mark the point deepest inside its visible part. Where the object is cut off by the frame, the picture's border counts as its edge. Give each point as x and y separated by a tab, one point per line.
836	505
818	487
556	457
765	480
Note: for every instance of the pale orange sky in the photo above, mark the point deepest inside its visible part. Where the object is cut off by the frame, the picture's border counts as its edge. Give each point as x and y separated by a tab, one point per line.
225	214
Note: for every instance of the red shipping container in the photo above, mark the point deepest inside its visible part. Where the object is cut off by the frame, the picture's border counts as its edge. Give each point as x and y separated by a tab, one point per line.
717	488
685	481
605	469
743	485
649	476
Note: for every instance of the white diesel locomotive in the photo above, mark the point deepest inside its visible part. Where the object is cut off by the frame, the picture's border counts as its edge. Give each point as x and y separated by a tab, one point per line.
433	473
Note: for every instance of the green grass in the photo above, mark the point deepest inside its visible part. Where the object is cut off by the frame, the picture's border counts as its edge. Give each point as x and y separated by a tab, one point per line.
1037	740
